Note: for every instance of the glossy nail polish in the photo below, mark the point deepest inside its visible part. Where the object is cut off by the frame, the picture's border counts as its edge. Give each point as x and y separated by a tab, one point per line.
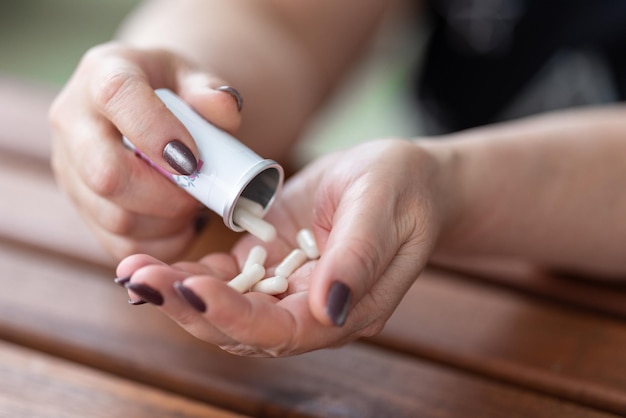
338	303
190	297
136	302
233	92
180	158
122	280
146	293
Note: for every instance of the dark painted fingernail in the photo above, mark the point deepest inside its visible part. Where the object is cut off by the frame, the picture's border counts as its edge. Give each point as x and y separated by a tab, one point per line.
180	158
201	222
233	92
136	302
122	280
338	302
190	297
146	293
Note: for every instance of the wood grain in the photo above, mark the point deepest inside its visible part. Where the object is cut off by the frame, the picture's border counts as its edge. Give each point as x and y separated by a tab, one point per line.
74	311
490	341
552	348
39	385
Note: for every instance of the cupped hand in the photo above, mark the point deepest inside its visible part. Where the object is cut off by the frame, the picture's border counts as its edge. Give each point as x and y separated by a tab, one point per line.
129	205
376	213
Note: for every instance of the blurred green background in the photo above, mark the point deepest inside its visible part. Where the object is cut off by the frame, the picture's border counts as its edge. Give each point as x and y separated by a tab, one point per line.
43	40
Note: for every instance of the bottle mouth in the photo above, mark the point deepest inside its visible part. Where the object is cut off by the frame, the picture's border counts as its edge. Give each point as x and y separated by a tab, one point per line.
262	188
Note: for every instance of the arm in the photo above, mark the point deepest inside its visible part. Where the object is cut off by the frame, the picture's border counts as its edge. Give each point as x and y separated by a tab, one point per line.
549	189
283	56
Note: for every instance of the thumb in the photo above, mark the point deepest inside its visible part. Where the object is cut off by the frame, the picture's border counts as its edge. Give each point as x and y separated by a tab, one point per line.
213	98
359	248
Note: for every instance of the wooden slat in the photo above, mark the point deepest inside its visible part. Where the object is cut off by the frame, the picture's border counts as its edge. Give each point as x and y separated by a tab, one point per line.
553	348
520	352
34	211
604	296
23	219
74	311
38	385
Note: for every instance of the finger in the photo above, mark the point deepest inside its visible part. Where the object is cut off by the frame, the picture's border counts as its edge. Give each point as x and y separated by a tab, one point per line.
92	161
154	283
166	248
124	94
157	220
254	320
130	264
357	252
212	98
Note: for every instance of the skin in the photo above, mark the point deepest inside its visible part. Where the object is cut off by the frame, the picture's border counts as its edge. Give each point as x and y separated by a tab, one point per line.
287	63
322	197
545	189
514	190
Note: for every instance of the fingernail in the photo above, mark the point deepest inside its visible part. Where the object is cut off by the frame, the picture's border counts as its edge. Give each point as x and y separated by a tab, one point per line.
146	293
180	158
190	297
136	302
201	222
122	280
233	92
338	302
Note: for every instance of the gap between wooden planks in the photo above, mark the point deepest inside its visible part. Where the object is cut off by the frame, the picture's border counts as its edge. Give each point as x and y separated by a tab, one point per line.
74	311
38	216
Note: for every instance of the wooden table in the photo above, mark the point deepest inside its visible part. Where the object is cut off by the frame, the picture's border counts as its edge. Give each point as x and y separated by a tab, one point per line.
489	341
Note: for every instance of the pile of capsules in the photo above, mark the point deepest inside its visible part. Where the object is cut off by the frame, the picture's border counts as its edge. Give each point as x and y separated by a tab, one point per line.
248	215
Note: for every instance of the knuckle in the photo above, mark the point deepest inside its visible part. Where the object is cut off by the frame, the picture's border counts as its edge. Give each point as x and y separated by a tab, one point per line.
98	52
61	115
104	182
242	350
97	55
56	113
366	257
115	86
119	222
187	318
279	351
105	179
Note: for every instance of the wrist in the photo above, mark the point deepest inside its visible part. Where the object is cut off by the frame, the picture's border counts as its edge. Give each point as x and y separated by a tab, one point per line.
448	193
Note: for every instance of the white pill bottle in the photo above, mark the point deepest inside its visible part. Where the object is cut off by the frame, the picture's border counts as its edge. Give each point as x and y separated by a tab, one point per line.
227	169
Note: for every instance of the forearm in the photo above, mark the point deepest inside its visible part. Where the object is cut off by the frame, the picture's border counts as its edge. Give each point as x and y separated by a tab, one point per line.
283	56
548	189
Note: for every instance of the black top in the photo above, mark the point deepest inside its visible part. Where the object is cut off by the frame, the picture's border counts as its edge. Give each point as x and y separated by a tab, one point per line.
492	60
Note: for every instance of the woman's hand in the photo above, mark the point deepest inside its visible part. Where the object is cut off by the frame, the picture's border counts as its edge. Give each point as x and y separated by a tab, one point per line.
129	205
376	214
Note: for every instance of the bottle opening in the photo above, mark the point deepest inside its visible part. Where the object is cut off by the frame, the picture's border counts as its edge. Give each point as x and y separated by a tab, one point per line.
263	188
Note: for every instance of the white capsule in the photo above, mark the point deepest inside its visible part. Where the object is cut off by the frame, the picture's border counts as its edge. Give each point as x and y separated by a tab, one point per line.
306	241
253	224
257	255
272	285
247	278
295	259
251	206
